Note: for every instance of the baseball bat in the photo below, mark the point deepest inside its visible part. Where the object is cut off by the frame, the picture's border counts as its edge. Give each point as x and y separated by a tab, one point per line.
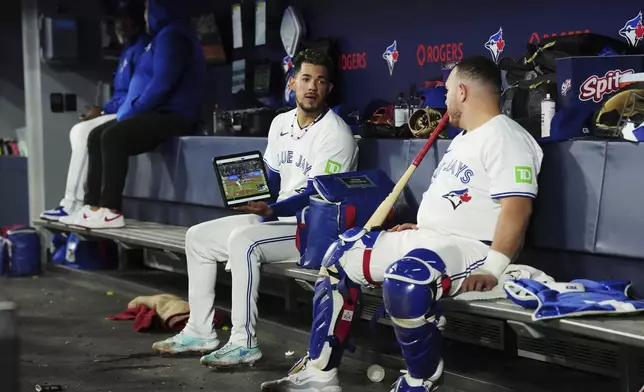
379	216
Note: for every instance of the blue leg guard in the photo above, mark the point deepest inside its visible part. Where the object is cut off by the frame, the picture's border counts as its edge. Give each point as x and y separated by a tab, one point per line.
411	287
335	308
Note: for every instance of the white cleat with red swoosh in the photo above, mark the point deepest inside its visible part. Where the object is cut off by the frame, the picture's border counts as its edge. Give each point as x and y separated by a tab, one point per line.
102	218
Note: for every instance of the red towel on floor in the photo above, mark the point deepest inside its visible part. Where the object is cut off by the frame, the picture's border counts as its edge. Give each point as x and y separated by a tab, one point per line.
161	313
147	320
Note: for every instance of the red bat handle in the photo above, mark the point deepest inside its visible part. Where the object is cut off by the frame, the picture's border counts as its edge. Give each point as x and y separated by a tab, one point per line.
423	151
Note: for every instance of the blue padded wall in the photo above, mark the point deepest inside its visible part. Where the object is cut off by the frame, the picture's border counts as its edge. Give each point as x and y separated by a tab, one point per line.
621	217
587	198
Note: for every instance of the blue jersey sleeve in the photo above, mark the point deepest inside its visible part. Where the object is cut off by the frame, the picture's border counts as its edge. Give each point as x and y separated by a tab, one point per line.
274	182
295	203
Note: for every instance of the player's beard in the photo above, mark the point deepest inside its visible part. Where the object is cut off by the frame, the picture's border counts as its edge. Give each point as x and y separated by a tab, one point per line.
312	108
455	117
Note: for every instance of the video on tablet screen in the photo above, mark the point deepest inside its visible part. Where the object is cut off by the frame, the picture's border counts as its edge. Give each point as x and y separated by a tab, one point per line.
243	180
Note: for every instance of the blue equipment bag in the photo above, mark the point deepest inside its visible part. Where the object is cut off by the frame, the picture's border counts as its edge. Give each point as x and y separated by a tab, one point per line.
342	201
20	252
58	247
90	254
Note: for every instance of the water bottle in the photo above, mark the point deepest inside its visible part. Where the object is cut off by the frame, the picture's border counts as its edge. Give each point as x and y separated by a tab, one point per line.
414	104
547	114
401	112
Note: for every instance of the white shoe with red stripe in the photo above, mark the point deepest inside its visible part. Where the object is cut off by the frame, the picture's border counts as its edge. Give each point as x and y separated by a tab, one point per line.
71	219
102	218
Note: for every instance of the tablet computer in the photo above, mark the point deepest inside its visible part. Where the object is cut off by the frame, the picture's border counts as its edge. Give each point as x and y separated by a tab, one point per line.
242	178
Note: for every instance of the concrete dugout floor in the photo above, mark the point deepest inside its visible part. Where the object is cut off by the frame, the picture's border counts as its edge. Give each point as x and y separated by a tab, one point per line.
67	340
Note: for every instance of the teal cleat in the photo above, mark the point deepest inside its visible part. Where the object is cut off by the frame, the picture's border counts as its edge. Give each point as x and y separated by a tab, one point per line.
230	355
181	343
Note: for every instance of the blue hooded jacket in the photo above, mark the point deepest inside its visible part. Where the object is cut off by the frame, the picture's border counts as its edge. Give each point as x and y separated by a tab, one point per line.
127	64
171	72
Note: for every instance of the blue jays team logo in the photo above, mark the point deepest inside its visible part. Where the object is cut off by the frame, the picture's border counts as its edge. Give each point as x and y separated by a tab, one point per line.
458	197
633	30
391	56
495	44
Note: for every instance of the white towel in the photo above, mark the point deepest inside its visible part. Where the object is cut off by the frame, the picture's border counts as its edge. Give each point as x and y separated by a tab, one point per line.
512	272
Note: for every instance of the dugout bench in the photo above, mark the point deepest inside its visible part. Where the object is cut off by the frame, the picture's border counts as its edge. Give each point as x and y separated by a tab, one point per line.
585	225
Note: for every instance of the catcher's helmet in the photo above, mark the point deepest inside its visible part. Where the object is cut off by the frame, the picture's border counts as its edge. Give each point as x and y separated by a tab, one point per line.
620	114
423	122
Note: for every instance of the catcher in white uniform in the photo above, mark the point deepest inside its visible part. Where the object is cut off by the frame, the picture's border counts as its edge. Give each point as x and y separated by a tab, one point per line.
471	225
302	143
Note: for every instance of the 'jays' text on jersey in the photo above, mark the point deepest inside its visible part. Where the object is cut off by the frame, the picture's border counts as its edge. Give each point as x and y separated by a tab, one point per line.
499	159
326	147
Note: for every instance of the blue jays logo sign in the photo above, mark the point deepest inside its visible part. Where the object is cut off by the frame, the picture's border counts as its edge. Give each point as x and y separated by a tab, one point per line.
633	30
496	44
391	56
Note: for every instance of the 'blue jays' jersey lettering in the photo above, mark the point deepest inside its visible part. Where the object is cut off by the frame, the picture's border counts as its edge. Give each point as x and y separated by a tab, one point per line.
286	157
457	168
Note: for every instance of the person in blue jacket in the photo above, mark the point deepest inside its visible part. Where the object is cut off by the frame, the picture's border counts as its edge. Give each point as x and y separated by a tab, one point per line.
163	102
130	32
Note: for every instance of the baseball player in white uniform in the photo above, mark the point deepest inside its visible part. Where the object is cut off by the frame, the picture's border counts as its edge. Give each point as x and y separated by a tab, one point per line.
470	226
302	143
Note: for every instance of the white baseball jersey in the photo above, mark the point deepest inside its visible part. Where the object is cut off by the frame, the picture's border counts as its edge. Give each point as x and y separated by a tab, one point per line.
499	159
298	154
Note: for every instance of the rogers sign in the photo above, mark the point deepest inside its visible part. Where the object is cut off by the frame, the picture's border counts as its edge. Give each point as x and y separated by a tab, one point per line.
595	87
427	54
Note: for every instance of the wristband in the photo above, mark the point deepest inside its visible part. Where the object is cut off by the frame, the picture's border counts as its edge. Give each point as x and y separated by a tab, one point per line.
495	264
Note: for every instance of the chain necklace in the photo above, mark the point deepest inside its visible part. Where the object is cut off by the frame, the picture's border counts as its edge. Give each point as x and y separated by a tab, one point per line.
306	128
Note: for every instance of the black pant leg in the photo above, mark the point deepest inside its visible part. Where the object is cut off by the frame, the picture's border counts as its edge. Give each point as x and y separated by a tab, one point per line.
95	164
134	136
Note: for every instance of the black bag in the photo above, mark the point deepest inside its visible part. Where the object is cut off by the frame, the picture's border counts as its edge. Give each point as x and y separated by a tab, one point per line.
514	71
542	56
522	101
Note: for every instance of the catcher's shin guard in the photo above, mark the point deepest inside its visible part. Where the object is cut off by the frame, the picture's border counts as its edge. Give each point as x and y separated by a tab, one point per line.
335	307
411	287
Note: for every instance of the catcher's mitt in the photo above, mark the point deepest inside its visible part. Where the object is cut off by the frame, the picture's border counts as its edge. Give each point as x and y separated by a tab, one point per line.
423	122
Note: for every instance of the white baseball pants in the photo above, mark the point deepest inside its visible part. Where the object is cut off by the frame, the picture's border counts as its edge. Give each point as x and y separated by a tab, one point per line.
244	242
460	255
77	171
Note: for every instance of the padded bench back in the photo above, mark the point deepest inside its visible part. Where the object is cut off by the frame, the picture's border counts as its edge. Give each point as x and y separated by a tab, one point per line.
588	197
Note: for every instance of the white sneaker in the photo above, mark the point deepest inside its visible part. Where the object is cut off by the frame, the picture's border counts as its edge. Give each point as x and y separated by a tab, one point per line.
73	217
100	219
309	379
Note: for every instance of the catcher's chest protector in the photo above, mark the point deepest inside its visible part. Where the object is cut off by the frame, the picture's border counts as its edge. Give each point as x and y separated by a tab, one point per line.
343	201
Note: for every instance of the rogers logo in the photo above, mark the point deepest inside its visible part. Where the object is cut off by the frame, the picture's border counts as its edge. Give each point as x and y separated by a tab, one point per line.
536	38
595	87
439	53
353	61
